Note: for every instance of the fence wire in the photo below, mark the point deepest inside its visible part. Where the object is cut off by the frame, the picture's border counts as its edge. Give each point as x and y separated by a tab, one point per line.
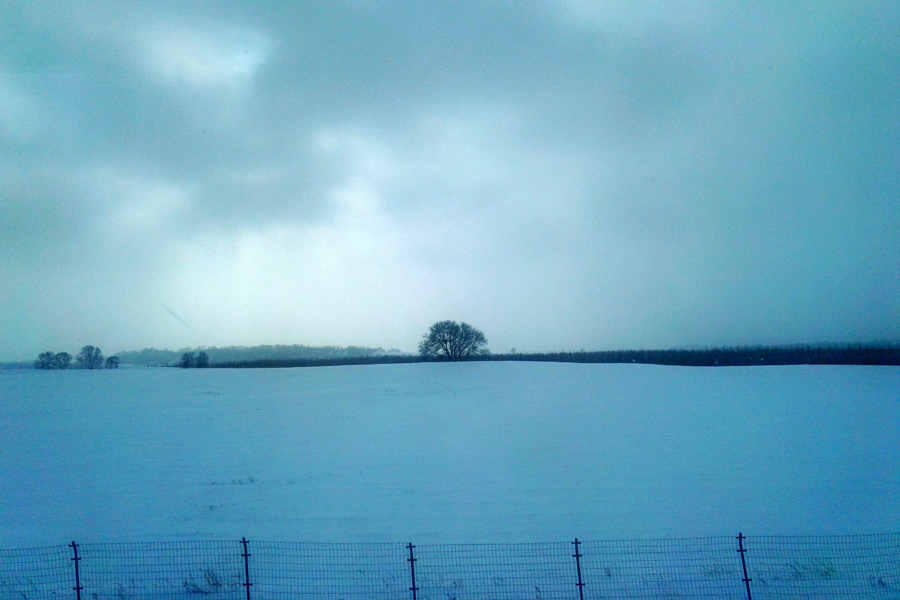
788	568
496	571
37	573
213	570
805	567
339	571
677	568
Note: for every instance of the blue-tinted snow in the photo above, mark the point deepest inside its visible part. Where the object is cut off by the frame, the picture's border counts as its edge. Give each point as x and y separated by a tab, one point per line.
469	452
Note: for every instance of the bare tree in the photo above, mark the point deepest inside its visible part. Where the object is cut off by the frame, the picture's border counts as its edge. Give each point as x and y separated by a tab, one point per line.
187	360
49	360
449	340
90	358
62	360
44	360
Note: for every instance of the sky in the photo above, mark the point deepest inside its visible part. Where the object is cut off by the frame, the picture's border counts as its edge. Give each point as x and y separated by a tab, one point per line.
561	174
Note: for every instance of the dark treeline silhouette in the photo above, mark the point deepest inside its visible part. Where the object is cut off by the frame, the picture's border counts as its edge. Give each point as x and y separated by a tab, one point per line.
90	357
275	363
737	356
189	361
249	354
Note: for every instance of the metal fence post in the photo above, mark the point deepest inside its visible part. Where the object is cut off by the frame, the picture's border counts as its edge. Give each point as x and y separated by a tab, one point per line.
580	583
742	550
412	570
246	556
75	559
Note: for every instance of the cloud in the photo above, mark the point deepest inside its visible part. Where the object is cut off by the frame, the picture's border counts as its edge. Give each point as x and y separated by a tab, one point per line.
468	175
139	206
20	115
566	174
227	58
638	19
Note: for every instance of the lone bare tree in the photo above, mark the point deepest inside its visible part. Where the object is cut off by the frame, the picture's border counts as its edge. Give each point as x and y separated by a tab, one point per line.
449	340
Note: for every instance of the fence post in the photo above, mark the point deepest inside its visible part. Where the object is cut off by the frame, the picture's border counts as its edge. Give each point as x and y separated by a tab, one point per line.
246	556
742	550
580	583
75	559
412	570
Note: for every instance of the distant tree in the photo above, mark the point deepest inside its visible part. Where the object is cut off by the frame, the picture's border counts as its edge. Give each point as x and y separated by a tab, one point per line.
62	360
187	360
112	362
90	358
202	361
49	360
44	360
449	340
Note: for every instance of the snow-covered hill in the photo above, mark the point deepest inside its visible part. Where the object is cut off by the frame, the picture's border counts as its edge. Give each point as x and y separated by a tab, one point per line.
468	452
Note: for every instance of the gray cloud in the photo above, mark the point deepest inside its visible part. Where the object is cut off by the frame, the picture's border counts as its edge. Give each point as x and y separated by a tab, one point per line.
562	174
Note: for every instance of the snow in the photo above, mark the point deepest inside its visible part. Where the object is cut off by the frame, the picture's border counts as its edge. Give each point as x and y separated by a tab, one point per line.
447	453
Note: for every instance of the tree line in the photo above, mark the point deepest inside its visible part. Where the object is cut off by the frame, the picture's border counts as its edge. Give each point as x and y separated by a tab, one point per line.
452	341
90	357
735	356
435	350
240	354
444	340
190	361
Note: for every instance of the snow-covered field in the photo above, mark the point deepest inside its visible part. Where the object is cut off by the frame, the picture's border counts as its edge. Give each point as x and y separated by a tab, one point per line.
435	453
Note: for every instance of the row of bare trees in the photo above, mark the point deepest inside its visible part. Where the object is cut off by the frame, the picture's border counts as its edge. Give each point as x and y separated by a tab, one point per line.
445	340
90	357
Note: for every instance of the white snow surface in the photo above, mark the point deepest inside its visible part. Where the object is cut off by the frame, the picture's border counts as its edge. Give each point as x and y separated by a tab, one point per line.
446	453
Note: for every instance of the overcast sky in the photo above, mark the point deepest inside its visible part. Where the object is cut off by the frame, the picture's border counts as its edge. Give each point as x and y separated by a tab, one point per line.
562	174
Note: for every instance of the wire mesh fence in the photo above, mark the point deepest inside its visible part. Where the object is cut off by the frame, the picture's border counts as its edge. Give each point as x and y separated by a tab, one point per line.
865	566
487	571
346	571
680	568
213	569
727	567
36	573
